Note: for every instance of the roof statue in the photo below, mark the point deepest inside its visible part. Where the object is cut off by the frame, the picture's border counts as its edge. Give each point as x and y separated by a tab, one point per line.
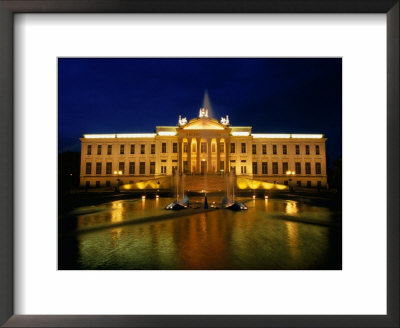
203	112
182	121
225	120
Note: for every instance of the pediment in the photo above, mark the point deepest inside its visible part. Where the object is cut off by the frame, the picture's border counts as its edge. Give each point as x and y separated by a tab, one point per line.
204	124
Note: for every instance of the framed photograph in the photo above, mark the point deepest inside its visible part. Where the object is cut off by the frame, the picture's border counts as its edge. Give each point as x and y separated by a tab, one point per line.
224	164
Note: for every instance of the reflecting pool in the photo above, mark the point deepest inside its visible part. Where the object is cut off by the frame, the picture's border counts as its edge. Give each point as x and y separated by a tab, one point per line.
272	234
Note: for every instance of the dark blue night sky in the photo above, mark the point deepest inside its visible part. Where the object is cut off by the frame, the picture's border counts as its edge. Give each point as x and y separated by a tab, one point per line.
122	95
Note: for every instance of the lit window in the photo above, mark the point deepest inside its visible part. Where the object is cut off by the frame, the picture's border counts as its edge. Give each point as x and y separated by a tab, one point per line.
221	147
203	148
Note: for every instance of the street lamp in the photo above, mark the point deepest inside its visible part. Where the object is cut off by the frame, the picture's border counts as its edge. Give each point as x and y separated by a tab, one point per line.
117	173
290	174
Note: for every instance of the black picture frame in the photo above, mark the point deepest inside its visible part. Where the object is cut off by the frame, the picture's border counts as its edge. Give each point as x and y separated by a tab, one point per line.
10	7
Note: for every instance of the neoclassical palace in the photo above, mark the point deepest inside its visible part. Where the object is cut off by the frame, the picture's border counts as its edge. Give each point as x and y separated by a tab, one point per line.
203	145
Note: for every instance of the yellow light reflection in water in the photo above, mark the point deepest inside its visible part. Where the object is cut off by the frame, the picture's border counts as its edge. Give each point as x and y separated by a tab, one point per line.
293	239
291	208
117	213
246	183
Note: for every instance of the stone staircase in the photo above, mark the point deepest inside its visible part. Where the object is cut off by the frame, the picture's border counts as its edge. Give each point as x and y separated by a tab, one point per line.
210	182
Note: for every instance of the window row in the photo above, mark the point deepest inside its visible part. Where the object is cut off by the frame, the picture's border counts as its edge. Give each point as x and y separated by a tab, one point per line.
285	168
283	150
132	149
131	169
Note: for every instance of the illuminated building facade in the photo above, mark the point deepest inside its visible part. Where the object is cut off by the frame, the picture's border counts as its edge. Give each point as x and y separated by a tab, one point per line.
203	145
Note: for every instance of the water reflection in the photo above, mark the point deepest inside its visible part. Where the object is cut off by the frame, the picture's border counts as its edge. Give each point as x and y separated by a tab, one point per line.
260	238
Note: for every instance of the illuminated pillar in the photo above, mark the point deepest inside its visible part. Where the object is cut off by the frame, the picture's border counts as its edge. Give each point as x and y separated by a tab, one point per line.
209	165
218	154
227	156
198	155
180	166
189	157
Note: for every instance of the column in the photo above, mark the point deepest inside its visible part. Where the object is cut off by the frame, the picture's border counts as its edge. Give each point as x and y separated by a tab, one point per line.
180	166
218	155
209	165
227	157
198	169
189	157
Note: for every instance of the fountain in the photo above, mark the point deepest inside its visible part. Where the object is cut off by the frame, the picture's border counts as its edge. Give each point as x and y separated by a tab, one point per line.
229	201
180	203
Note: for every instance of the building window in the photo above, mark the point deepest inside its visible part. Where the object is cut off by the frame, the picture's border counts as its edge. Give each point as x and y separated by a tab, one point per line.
274	149
274	168
132	149
163	169
108	168
243	147
308	184
232	148
185	147
164	147
284	149
203	147
221	166
109	149
254	149
243	169
152	168
255	171
142	149
98	168
88	168
122	149
297	166
89	150
193	148
131	167
221	147
308	168
152	149
264	167
121	167
142	168
297	149
317	168
285	167
264	149
317	150
307	150
98	149
97	184
185	167
213	148
174	147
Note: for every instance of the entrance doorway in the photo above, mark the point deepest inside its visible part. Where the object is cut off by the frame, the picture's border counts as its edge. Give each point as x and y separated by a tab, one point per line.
203	167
